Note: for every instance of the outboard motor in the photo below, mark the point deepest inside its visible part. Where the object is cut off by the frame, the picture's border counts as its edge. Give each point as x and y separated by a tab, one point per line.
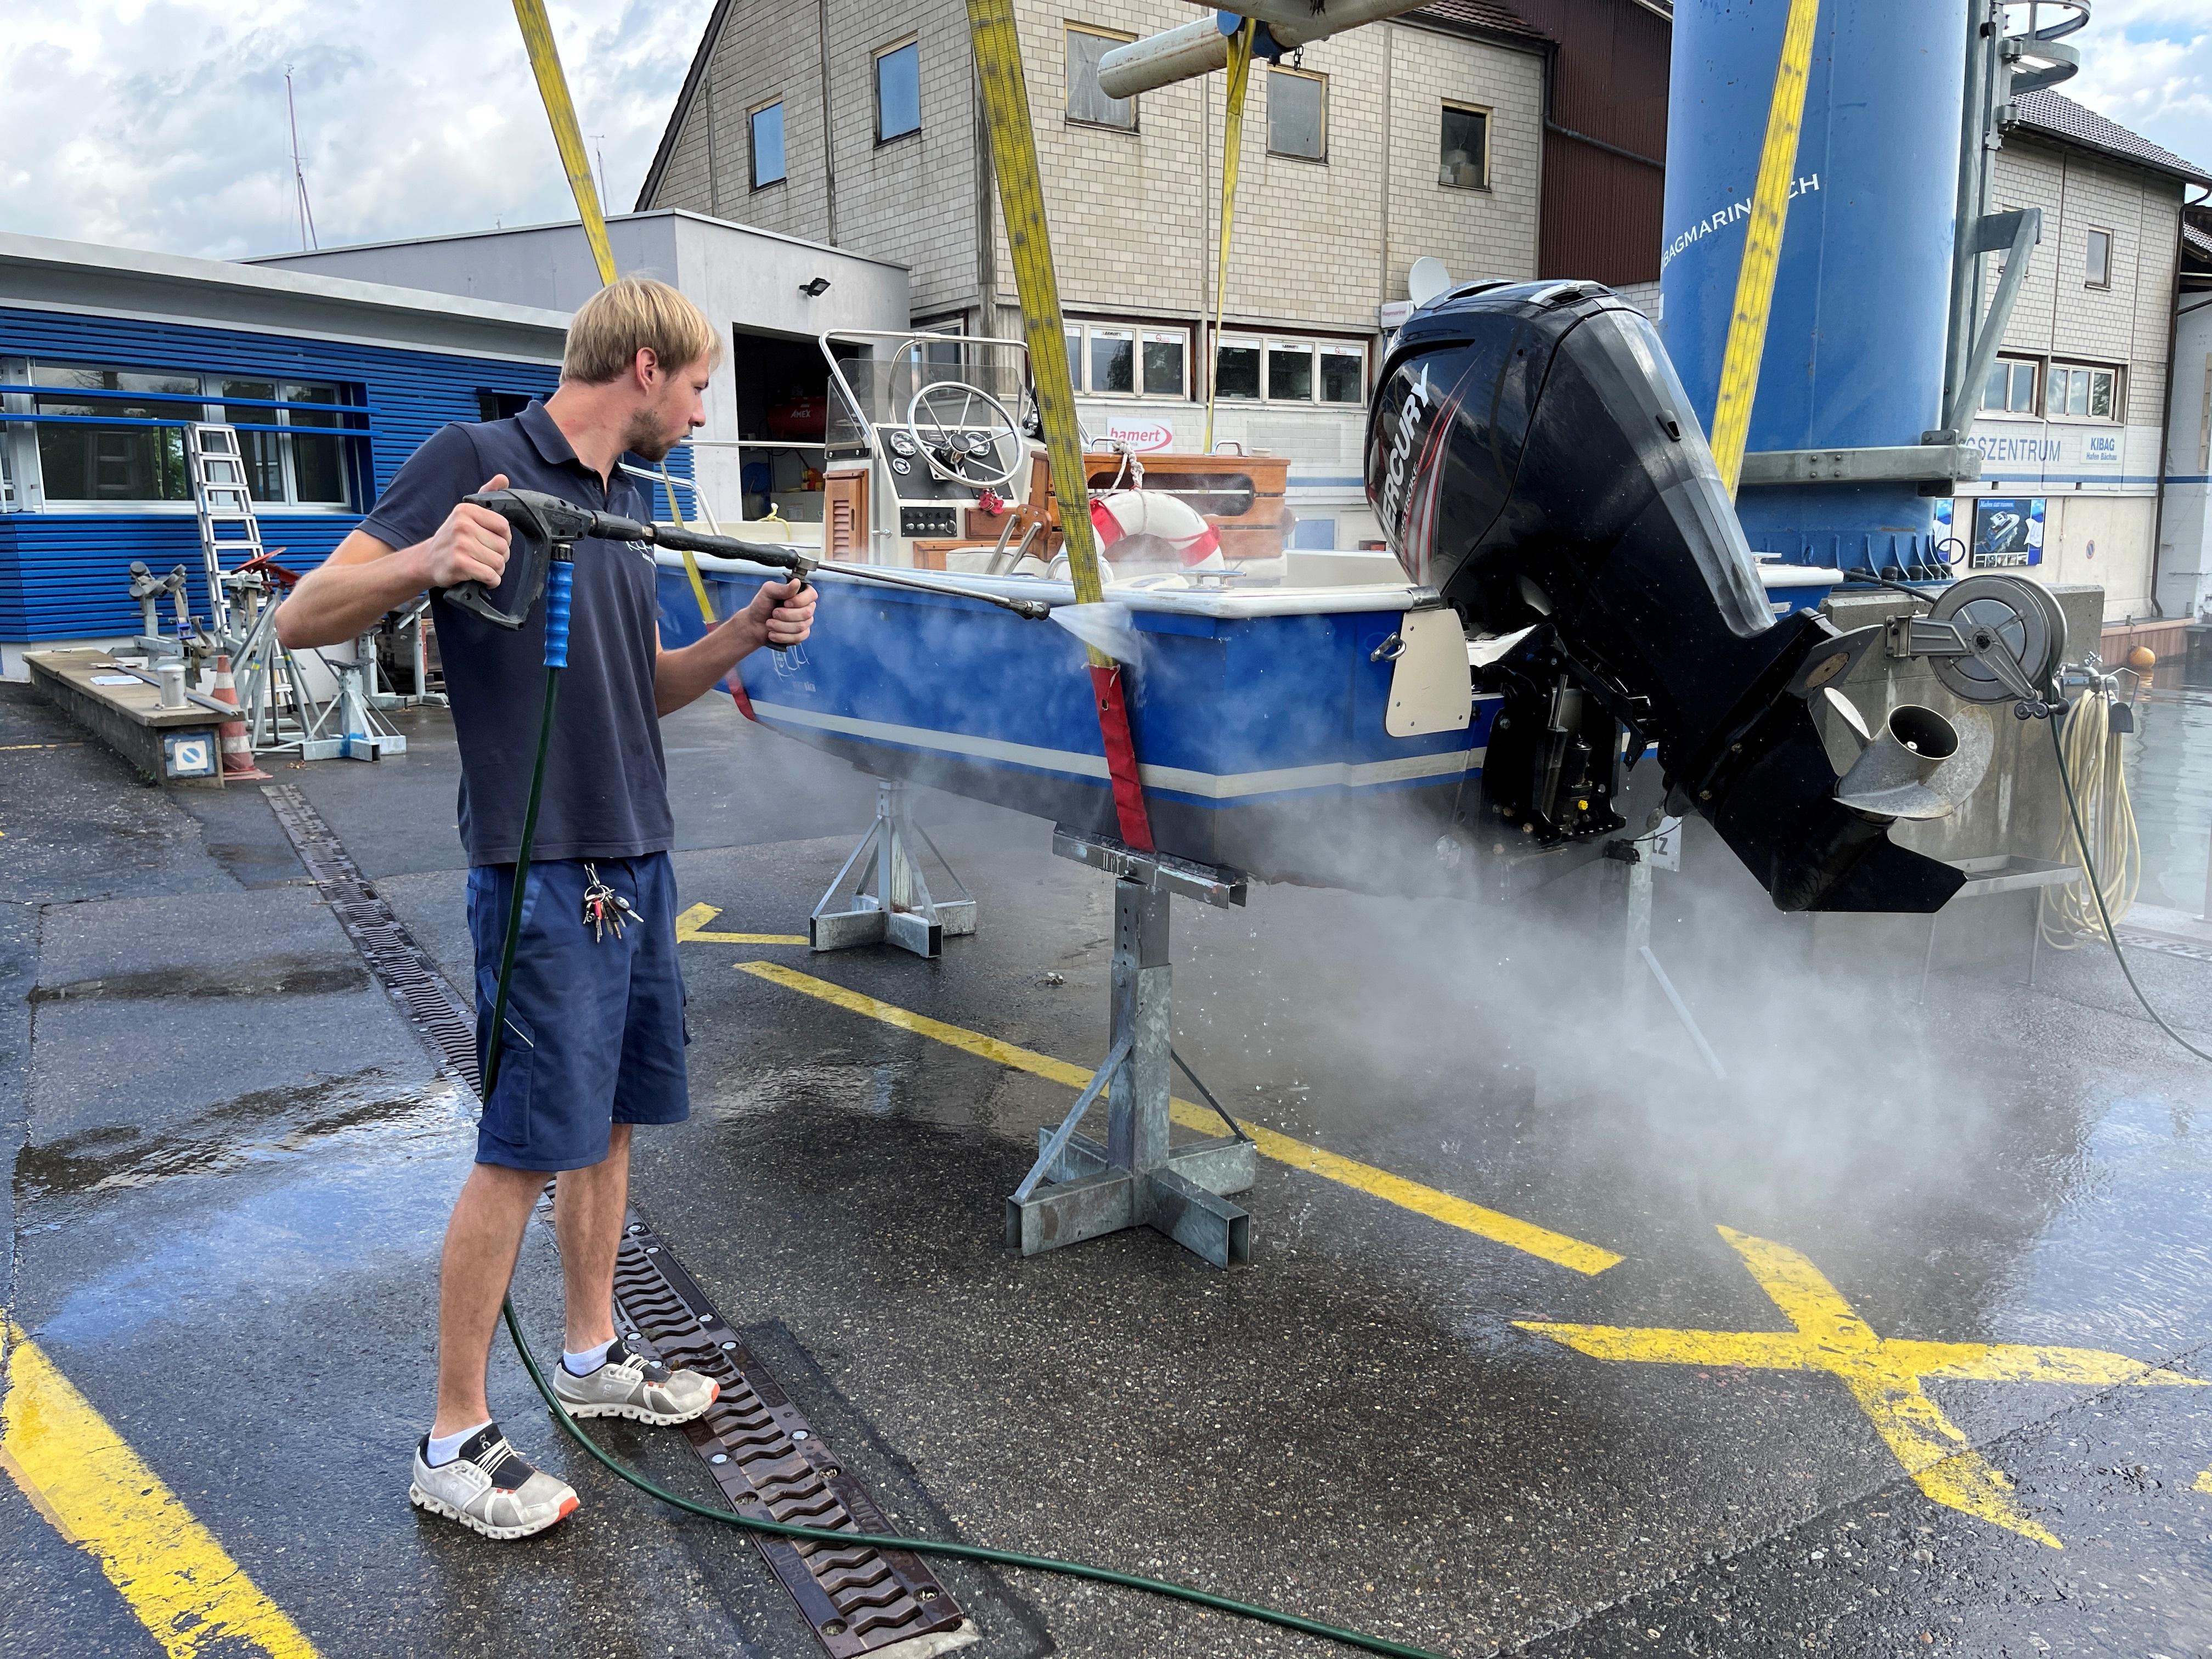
1532	456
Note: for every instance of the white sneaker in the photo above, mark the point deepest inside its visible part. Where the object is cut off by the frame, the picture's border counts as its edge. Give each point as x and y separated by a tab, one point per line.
629	1385
489	1489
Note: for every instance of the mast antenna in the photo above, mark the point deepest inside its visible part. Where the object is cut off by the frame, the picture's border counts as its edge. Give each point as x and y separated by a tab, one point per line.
307	212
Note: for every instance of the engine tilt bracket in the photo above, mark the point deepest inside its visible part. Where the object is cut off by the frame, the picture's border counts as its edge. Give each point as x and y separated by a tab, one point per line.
1080	1189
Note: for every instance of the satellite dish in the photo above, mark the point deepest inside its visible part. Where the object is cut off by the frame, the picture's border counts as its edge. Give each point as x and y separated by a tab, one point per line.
1427	279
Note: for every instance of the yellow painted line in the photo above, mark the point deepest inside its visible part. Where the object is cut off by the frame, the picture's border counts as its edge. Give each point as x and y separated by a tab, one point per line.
2204	1481
690	925
1762	244
13	748
78	1473
1365	1177
1884	1376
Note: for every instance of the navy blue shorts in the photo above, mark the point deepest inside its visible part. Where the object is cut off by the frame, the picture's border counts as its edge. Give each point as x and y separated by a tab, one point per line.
595	1030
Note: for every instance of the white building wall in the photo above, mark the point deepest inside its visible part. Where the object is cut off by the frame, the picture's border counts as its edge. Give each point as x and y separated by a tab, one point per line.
2185	586
2097	479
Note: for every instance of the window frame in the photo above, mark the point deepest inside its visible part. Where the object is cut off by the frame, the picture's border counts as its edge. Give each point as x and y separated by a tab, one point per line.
2106	281
1139	334
876	87
752	145
1067	60
1456	106
2038	369
1318	344
2067	366
1315	76
19	430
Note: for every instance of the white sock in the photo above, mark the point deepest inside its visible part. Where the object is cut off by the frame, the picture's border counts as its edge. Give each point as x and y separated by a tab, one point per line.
583	1363
444	1448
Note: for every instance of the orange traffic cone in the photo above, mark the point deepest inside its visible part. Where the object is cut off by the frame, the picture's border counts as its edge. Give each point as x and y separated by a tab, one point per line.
238	765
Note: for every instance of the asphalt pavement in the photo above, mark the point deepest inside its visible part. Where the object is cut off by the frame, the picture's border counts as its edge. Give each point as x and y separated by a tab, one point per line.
1891	1341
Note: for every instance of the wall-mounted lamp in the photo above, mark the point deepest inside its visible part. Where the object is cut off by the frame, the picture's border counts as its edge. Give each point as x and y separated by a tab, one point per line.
815	290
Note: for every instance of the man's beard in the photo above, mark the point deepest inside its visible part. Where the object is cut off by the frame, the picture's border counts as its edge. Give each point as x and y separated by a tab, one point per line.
644	439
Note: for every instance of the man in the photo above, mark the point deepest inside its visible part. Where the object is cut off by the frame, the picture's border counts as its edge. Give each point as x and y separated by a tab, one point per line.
593	1039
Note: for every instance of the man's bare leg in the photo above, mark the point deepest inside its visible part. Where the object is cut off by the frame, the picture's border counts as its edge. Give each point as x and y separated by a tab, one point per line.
482	1241
588	1206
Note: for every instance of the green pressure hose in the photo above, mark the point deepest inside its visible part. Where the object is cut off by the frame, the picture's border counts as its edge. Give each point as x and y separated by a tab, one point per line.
1352	1638
558	578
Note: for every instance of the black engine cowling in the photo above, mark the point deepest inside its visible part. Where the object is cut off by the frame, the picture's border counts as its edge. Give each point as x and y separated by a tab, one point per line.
1532	456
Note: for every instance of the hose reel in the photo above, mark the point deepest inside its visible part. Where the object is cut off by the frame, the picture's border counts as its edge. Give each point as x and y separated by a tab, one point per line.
1988	639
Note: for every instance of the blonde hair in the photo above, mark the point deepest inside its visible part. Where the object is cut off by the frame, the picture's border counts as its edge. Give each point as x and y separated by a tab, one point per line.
635	314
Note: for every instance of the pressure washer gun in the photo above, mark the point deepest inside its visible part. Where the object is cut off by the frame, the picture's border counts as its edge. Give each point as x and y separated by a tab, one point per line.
547	529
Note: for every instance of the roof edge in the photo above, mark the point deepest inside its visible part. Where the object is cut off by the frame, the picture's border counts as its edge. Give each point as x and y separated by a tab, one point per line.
665	150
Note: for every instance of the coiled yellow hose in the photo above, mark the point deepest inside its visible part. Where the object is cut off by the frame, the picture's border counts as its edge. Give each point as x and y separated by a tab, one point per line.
2070	914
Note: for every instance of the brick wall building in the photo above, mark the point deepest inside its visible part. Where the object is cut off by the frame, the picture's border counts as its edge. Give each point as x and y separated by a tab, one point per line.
1424	136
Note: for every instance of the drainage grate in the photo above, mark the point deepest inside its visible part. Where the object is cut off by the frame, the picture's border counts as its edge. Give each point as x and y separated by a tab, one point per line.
443	1021
758	1447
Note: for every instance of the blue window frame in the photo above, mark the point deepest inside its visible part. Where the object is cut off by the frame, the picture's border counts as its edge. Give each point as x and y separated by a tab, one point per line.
898	92
768	145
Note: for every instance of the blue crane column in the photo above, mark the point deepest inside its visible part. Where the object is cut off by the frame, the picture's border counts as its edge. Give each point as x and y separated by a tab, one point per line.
1854	342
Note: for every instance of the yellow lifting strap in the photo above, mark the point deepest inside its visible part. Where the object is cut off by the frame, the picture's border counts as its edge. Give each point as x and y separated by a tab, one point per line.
553	89
1762	244
1232	149
1021	198
568	138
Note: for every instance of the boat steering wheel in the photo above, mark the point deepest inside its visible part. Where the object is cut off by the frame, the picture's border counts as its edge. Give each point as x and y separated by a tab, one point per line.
956	450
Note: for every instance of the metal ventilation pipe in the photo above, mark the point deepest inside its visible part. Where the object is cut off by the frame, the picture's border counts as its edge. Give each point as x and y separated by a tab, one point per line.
1201	48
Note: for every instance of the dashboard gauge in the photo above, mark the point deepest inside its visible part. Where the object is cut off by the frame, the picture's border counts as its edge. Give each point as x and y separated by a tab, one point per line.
900	443
901	465
979	443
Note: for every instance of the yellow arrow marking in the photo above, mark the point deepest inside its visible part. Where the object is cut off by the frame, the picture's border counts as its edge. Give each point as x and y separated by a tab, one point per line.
2204	1481
690	925
1380	1183
97	1493
1884	1376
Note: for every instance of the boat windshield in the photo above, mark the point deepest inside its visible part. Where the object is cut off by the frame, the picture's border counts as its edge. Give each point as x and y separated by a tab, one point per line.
879	389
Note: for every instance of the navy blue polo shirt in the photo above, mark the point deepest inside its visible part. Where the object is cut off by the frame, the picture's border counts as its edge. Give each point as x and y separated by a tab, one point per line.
606	781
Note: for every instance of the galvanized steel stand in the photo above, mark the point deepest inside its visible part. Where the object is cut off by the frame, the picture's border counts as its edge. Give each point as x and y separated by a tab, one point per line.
1077	1187
891	904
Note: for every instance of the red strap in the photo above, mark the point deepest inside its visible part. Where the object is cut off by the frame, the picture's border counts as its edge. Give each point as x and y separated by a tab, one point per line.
1121	758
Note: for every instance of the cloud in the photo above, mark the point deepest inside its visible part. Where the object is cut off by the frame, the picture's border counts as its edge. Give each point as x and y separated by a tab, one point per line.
2148	65
162	125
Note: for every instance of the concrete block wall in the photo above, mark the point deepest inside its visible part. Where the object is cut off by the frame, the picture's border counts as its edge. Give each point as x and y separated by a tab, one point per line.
1476	233
774	56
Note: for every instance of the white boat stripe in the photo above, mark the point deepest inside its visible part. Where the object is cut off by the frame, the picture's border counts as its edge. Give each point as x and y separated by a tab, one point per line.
1339	774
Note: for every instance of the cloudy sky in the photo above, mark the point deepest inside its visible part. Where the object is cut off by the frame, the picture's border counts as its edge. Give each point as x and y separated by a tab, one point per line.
162	125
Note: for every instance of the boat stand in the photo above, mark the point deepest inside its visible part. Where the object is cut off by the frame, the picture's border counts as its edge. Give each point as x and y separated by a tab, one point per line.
1079	1188
891	903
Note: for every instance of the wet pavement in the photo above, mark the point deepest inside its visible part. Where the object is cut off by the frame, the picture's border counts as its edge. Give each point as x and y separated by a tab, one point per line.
1986	1214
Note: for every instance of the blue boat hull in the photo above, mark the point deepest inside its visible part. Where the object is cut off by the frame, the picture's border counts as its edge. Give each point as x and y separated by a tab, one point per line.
1261	738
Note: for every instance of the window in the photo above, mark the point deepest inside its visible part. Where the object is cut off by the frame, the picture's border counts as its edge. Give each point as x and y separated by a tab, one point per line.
1343	374
132	460
2098	266
1114	360
898	92
767	124
1297	114
1295	371
1463	158
2011	387
1289	370
1085	102
1165	354
2081	392
121	434
1236	368
500	405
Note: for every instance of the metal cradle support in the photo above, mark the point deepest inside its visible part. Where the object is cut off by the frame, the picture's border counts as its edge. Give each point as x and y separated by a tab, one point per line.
1079	1188
891	903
